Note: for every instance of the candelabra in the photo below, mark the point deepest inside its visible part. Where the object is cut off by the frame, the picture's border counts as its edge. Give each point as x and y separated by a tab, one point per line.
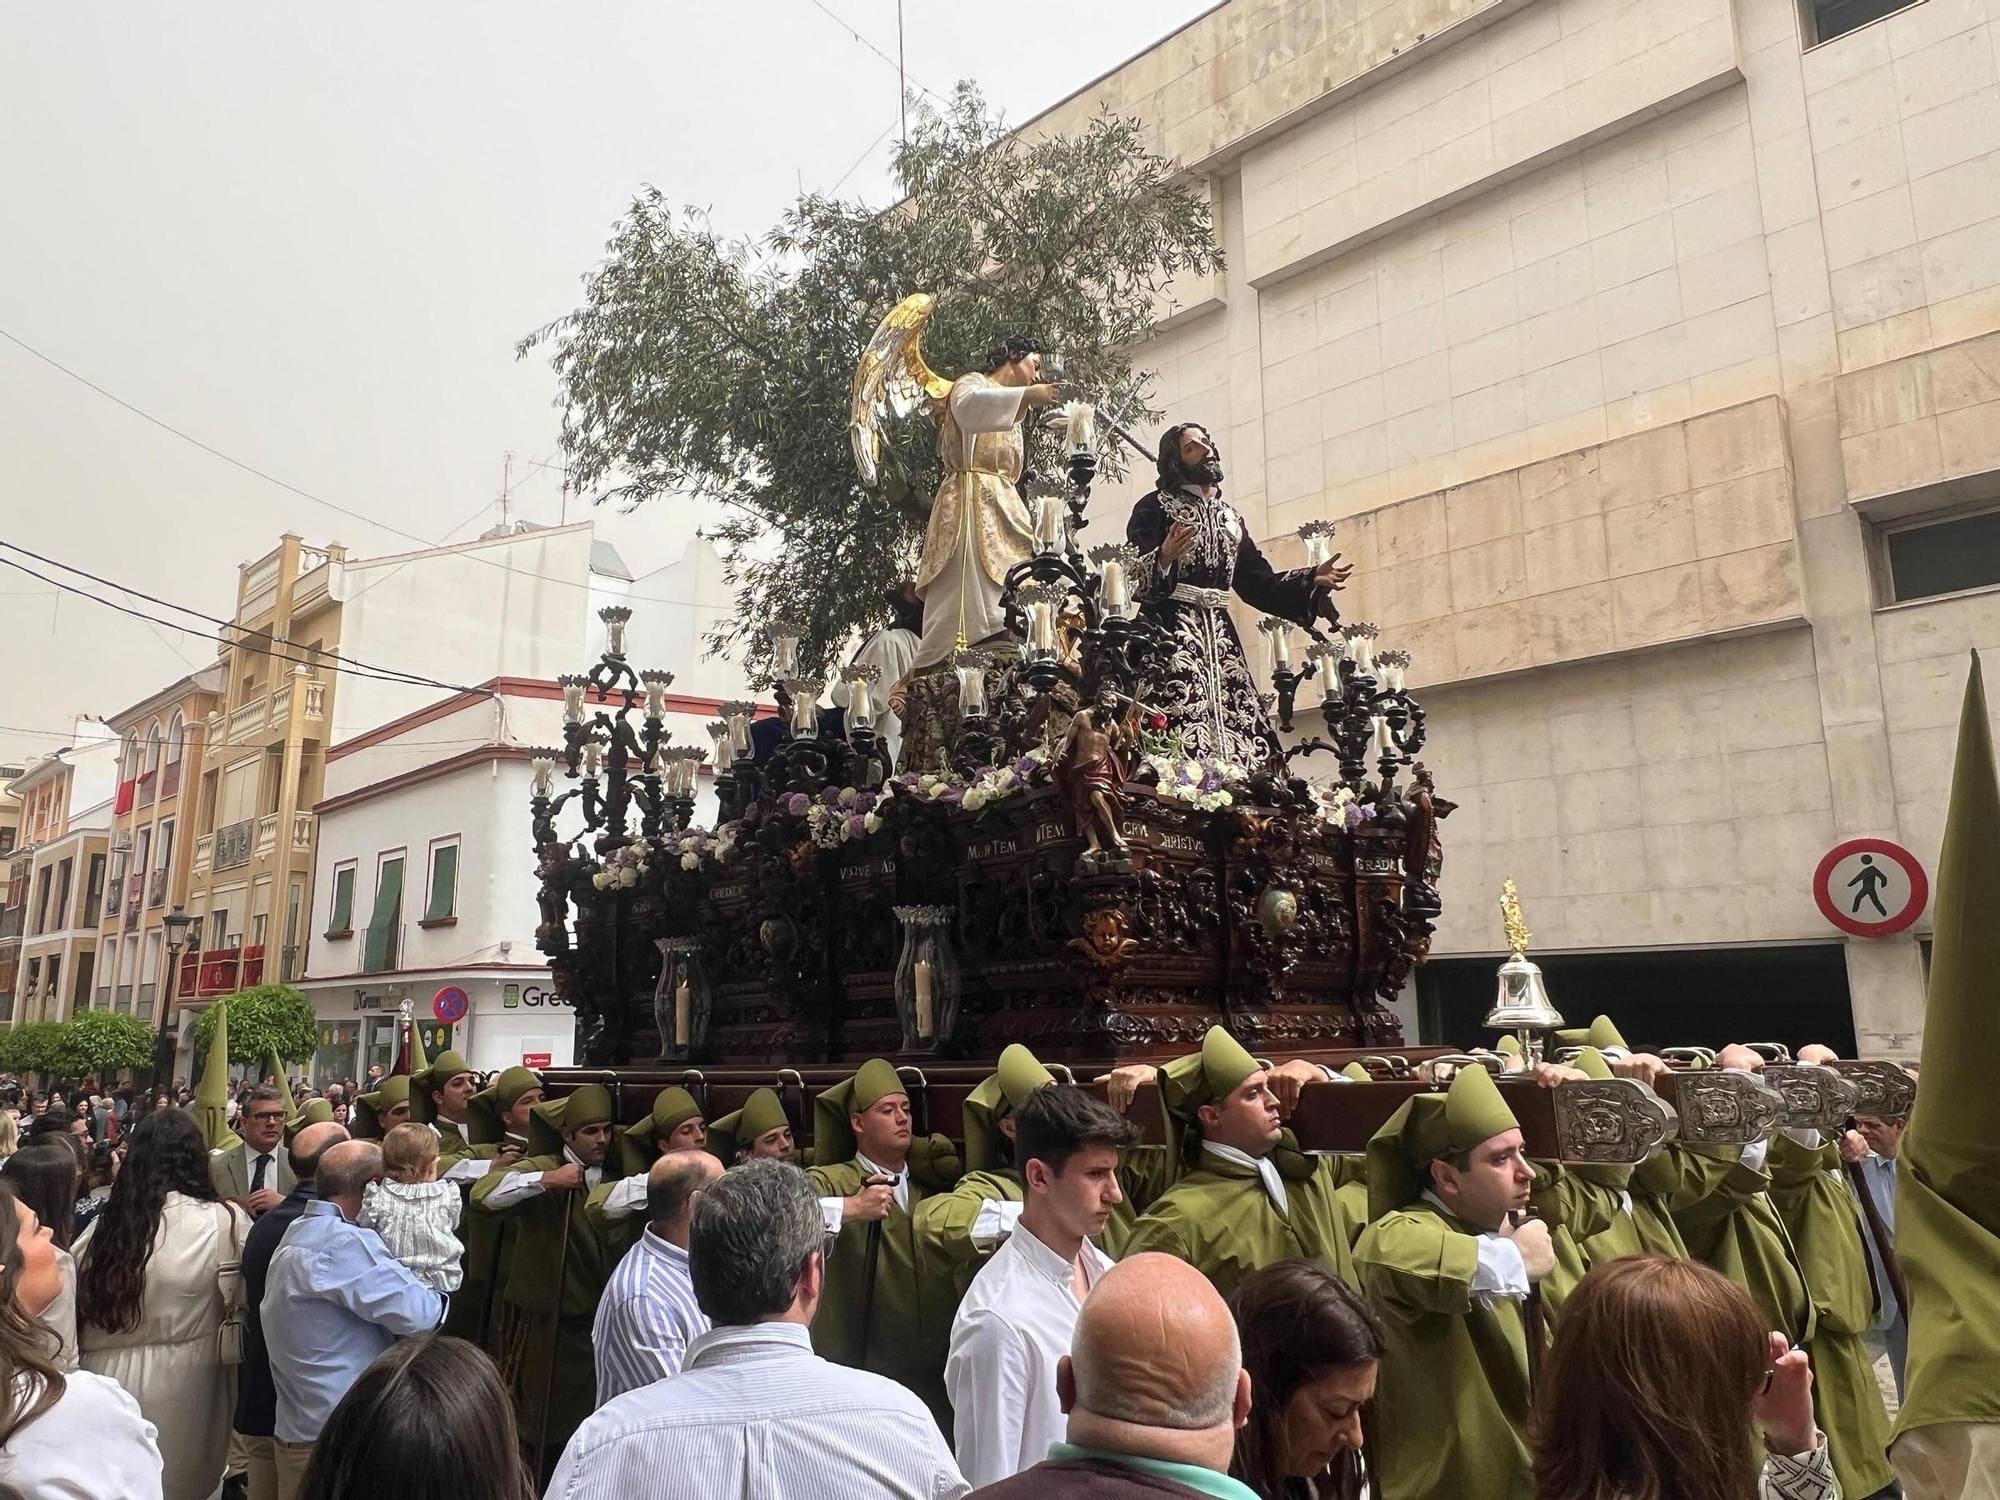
1367	709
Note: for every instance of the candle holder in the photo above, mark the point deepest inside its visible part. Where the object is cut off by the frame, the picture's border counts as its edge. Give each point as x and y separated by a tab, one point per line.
1285	677
1115	564
979	741
863	743
1318	537
928	982
683	1001
615	618
1368	713
784	649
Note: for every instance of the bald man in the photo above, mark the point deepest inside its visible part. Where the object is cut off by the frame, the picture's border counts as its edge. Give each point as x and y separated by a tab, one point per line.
649	1315
1154	1388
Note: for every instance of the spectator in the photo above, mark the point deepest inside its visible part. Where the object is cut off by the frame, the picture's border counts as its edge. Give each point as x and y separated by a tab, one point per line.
93	1187
255	1176
151	1297
10	1135
416	1215
43	1181
1876	1144
755	1411
256	1396
1311	1346
341	1112
1014	1325
648	1315
334	1299
1155	1389
429	1417
1659	1378
50	1122
60	1434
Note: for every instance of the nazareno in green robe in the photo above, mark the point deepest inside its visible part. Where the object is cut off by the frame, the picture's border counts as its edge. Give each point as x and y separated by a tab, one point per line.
944	1220
1576	1202
1824	1219
1218	1218
1645	1227
485	1238
1727	1220
1452	1402
551	1295
916	1296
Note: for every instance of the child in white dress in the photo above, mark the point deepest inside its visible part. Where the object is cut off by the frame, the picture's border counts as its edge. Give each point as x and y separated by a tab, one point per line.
416	1215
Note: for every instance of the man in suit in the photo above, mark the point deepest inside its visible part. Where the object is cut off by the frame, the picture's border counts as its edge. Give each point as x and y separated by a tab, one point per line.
255	1175
256	1396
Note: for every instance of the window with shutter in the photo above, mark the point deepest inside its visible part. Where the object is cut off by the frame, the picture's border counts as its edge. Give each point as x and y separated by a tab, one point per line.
342	921
380	953
443	903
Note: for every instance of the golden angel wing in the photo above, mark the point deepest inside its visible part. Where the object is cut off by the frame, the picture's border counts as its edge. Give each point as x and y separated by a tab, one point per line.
892	380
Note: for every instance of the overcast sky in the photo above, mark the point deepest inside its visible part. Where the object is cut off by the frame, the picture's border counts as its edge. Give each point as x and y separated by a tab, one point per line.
309	237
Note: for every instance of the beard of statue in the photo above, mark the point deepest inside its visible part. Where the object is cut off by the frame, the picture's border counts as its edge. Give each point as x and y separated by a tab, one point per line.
1176	471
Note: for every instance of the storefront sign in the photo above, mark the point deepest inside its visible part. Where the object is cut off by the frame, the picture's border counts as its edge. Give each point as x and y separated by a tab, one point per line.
1870	887
535	1059
532	997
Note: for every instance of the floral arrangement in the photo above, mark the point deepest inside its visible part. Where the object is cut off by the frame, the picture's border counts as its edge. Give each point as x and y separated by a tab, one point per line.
1205	783
835	815
1339	806
623	867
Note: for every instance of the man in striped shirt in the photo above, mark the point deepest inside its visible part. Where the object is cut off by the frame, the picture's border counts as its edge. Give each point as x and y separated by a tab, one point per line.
648	1315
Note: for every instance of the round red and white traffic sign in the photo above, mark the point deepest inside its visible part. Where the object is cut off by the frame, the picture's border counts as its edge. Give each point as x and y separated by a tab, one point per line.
1870	887
450	1004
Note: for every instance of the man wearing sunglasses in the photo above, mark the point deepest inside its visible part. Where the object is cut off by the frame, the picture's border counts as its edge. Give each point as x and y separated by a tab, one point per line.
255	1174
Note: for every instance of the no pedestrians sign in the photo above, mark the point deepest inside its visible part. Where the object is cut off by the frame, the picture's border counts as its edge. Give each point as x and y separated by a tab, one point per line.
1871	887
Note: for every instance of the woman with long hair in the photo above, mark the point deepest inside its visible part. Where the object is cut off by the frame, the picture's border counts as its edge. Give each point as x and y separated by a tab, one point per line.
60	1434
151	1296
1659	1383
10	1135
43	1180
1311	1346
429	1417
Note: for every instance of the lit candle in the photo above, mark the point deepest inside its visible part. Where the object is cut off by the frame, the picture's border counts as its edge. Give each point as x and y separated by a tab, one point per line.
860	709
1048	524
971	685
1080	426
545	774
926	1004
572	693
805	708
1115	594
1042	625
683	1012
1281	644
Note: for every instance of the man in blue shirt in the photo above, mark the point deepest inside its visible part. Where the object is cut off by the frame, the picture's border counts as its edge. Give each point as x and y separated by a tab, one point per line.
256	1397
335	1298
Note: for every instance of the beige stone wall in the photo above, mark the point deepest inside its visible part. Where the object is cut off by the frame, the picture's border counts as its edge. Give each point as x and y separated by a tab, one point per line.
1610	330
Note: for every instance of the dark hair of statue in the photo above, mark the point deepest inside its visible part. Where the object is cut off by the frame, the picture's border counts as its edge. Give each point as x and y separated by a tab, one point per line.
1019	346
429	1417
30	1383
1646	1392
166	1156
43	1176
1297	1321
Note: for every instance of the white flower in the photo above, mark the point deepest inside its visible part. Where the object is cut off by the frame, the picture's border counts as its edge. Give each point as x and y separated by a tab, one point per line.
874	823
601	879
937	789
1223	799
690	861
1007	778
927	783
628	876
847	795
975	799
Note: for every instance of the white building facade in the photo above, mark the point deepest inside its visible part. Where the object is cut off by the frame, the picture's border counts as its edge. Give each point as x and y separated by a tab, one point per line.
1647	356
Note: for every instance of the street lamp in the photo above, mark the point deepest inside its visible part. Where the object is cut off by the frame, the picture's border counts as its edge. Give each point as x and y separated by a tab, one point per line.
176	923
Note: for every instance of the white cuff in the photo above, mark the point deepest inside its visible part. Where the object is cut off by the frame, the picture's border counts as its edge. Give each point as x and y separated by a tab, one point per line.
514	1187
626	1199
1806	1135
994	1222
1755	1154
1502	1271
830	1210
1333	1075
467	1169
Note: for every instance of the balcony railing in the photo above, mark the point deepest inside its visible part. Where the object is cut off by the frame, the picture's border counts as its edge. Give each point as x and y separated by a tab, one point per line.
302	832
204	854
156	889
232	844
267	833
170	779
248	719
222	971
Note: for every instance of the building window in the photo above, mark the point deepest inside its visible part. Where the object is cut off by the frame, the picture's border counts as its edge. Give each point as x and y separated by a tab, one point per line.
442	903
93	894
42	900
341	923
1943	555
218	928
176	733
379	952
1827	19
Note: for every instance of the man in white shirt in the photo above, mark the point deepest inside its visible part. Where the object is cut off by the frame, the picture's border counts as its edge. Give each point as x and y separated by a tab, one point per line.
255	1176
1015	1323
441	1097
754	1412
649	1315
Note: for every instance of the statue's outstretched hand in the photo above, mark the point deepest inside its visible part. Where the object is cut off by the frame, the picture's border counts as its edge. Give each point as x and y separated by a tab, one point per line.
1333	573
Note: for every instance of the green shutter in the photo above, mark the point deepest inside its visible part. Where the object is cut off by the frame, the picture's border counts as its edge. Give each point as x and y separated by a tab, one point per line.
444	883
382	925
343	901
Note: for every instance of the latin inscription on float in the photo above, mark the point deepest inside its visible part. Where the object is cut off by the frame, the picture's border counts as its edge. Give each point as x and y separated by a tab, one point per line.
1377	864
994	847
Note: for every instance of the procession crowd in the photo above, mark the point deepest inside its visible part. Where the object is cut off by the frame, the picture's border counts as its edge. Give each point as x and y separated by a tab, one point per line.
470	1288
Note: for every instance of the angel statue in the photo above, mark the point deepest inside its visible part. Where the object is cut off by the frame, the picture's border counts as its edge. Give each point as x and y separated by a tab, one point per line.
979	527
1195	551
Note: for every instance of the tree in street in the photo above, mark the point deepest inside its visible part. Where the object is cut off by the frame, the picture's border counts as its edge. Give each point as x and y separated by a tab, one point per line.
264	1019
717	370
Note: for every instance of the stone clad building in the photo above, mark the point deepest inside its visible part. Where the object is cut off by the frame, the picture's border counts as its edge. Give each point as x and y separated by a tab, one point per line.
1647	355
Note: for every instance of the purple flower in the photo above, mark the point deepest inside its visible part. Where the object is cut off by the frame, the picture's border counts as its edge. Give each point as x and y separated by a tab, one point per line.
864	802
1024	768
798	804
1211	781
954	794
830	797
857	826
1356	815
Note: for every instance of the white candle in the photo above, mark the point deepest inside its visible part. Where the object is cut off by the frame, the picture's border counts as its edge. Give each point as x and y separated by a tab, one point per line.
1281	646
926	1009
971	692
1115	595
545	774
1383	741
860	711
805	708
1080	426
1048	523
593	757
683	1008
1042	625
572	691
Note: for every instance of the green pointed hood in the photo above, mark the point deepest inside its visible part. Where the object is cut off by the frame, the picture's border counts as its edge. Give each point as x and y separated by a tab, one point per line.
638	1146
736	1131
447	1065
1357	1073
1203	1077
369	1108
317	1112
833	1138
284	1084
1019	1075
1948	1179
550	1120
1600	1033
1426	1127
485	1111
211	1095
